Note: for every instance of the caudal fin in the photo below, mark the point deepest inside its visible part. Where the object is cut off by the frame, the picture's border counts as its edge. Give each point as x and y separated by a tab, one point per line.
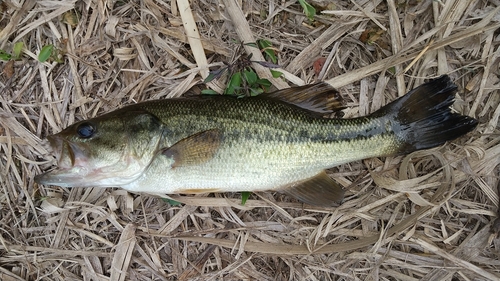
425	117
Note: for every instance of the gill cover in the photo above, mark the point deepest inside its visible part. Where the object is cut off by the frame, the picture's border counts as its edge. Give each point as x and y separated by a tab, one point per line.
109	150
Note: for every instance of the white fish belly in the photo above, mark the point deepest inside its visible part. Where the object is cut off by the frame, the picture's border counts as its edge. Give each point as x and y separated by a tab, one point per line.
254	166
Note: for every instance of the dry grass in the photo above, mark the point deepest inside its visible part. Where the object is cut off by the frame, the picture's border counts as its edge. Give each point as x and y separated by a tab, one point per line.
425	216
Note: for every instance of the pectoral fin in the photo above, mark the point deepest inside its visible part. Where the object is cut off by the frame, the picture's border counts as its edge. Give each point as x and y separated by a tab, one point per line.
319	190
195	149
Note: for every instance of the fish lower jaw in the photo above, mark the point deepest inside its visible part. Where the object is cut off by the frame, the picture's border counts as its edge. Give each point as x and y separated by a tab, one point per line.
63	177
82	177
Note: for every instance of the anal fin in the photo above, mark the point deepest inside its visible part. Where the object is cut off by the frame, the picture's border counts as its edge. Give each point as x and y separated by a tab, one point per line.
319	190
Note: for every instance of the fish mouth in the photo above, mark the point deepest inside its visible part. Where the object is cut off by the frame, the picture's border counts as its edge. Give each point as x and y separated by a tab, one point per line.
71	167
77	166
63	152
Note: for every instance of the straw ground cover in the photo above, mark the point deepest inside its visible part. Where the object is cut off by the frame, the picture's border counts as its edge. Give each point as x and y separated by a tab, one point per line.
425	216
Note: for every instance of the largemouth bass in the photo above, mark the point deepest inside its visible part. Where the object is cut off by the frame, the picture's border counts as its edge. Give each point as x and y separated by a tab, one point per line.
275	141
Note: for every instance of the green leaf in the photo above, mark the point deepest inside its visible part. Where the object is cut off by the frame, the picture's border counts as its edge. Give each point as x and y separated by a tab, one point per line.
251	44
209	92
276	74
244	197
256	91
271	55
215	74
268	50
264	83
210	77
309	10
263	43
17	50
171	202
45	53
4	55
234	84
250	76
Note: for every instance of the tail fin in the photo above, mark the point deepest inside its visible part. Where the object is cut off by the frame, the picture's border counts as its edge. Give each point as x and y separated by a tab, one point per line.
425	118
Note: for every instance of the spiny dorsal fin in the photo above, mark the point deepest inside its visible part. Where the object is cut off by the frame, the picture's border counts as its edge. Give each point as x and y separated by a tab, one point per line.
319	190
195	149
320	97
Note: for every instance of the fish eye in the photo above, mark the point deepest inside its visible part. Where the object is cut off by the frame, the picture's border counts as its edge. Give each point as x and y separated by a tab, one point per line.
85	130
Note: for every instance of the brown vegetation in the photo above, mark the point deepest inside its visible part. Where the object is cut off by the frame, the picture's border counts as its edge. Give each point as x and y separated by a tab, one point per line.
425	216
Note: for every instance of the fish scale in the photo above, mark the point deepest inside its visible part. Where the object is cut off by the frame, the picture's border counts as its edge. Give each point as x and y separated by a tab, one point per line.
262	143
276	141
254	117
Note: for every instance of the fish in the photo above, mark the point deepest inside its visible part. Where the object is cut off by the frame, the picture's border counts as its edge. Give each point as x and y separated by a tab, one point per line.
278	141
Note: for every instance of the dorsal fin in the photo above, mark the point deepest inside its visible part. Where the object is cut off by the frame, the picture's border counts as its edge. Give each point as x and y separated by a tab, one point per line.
319	190
320	97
